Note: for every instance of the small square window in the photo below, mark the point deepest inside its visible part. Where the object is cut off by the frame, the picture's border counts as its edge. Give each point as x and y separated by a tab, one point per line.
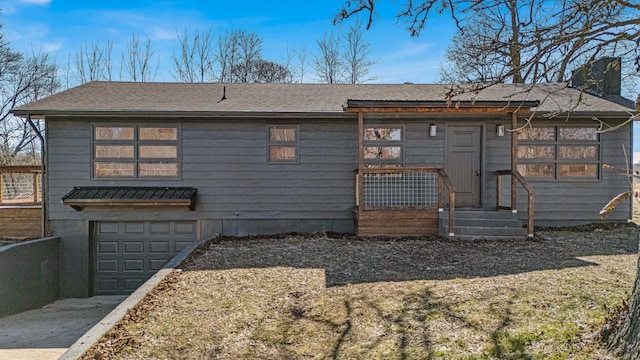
283	144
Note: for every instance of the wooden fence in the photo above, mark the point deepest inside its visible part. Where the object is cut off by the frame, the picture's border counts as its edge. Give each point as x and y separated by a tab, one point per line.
20	202
20	185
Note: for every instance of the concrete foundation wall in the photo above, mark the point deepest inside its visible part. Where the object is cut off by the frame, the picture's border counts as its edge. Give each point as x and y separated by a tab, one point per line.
30	275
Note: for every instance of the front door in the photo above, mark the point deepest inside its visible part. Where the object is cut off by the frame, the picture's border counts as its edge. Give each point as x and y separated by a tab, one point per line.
463	163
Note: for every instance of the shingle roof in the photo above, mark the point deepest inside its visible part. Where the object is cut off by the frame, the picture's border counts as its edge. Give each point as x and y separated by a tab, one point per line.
218	98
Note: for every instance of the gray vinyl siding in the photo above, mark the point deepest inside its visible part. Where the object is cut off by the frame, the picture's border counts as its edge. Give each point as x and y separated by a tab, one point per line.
420	148
497	156
226	161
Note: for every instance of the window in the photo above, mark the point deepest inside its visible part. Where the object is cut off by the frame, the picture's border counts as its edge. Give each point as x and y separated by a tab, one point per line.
283	144
559	152
136	151
383	146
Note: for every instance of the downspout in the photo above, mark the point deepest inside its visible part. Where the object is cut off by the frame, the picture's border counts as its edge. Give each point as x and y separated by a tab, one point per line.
43	182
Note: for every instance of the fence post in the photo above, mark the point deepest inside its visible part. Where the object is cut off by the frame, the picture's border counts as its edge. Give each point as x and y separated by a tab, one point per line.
35	188
1	187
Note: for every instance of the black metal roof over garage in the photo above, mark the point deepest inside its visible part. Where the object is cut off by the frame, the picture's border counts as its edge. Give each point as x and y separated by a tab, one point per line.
80	197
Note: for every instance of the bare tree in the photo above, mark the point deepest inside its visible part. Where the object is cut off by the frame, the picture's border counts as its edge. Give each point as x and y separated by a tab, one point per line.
136	61
195	61
328	62
249	51
269	72
523	41
356	55
226	55
23	79
239	59
292	71
302	62
535	41
237	51
93	62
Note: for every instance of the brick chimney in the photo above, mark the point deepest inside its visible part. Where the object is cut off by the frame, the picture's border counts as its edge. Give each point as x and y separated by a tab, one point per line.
601	77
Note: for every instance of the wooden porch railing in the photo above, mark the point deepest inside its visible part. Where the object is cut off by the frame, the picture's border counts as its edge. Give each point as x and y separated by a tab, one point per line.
20	185
444	178
515	178
406	188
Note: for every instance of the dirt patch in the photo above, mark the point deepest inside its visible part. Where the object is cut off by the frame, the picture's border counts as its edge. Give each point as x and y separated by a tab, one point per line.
351	260
338	296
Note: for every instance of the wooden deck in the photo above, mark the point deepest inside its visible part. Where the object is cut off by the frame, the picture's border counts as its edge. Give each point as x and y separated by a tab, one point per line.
401	201
396	222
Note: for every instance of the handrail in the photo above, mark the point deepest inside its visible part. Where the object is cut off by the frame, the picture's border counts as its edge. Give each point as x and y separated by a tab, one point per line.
516	176
20	169
444	178
400	170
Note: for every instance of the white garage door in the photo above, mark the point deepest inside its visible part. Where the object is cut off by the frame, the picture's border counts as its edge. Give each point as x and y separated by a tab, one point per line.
126	254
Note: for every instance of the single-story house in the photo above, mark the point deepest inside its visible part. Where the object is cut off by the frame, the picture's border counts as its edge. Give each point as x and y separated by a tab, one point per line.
137	171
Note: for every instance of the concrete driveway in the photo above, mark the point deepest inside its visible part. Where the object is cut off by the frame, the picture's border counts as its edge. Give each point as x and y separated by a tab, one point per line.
46	333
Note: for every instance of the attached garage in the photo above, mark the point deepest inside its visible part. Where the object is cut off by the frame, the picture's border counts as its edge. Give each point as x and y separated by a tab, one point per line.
127	253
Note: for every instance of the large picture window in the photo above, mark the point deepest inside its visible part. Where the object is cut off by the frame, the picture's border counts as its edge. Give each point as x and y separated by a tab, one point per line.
142	151
559	152
383	146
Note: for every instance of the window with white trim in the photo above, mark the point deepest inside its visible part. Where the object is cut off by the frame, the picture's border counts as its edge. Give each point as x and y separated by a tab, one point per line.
559	152
136	151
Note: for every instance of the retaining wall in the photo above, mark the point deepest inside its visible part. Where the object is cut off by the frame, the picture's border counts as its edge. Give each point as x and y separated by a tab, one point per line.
29	275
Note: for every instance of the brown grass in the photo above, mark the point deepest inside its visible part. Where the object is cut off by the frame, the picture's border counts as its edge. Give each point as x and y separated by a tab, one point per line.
330	297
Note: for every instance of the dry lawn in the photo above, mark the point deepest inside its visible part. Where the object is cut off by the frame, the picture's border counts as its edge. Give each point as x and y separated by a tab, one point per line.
340	297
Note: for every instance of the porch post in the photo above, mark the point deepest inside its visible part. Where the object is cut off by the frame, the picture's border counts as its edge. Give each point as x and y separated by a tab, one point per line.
360	139
35	187
360	176
514	161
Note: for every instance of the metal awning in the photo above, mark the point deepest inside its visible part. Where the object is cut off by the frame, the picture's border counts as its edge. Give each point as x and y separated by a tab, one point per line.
82	196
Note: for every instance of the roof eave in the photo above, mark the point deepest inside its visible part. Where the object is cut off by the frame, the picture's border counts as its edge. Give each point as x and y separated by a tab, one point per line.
554	114
352	105
179	114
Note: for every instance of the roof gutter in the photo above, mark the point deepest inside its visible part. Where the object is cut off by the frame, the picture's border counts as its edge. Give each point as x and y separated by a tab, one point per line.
437	106
35	128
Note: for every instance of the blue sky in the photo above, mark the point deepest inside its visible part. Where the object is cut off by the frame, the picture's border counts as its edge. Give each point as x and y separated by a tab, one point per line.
62	26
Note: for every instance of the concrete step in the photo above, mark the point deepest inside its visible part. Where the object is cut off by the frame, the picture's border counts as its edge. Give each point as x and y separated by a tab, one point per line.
487	231
498	223
480	214
485	237
472	225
